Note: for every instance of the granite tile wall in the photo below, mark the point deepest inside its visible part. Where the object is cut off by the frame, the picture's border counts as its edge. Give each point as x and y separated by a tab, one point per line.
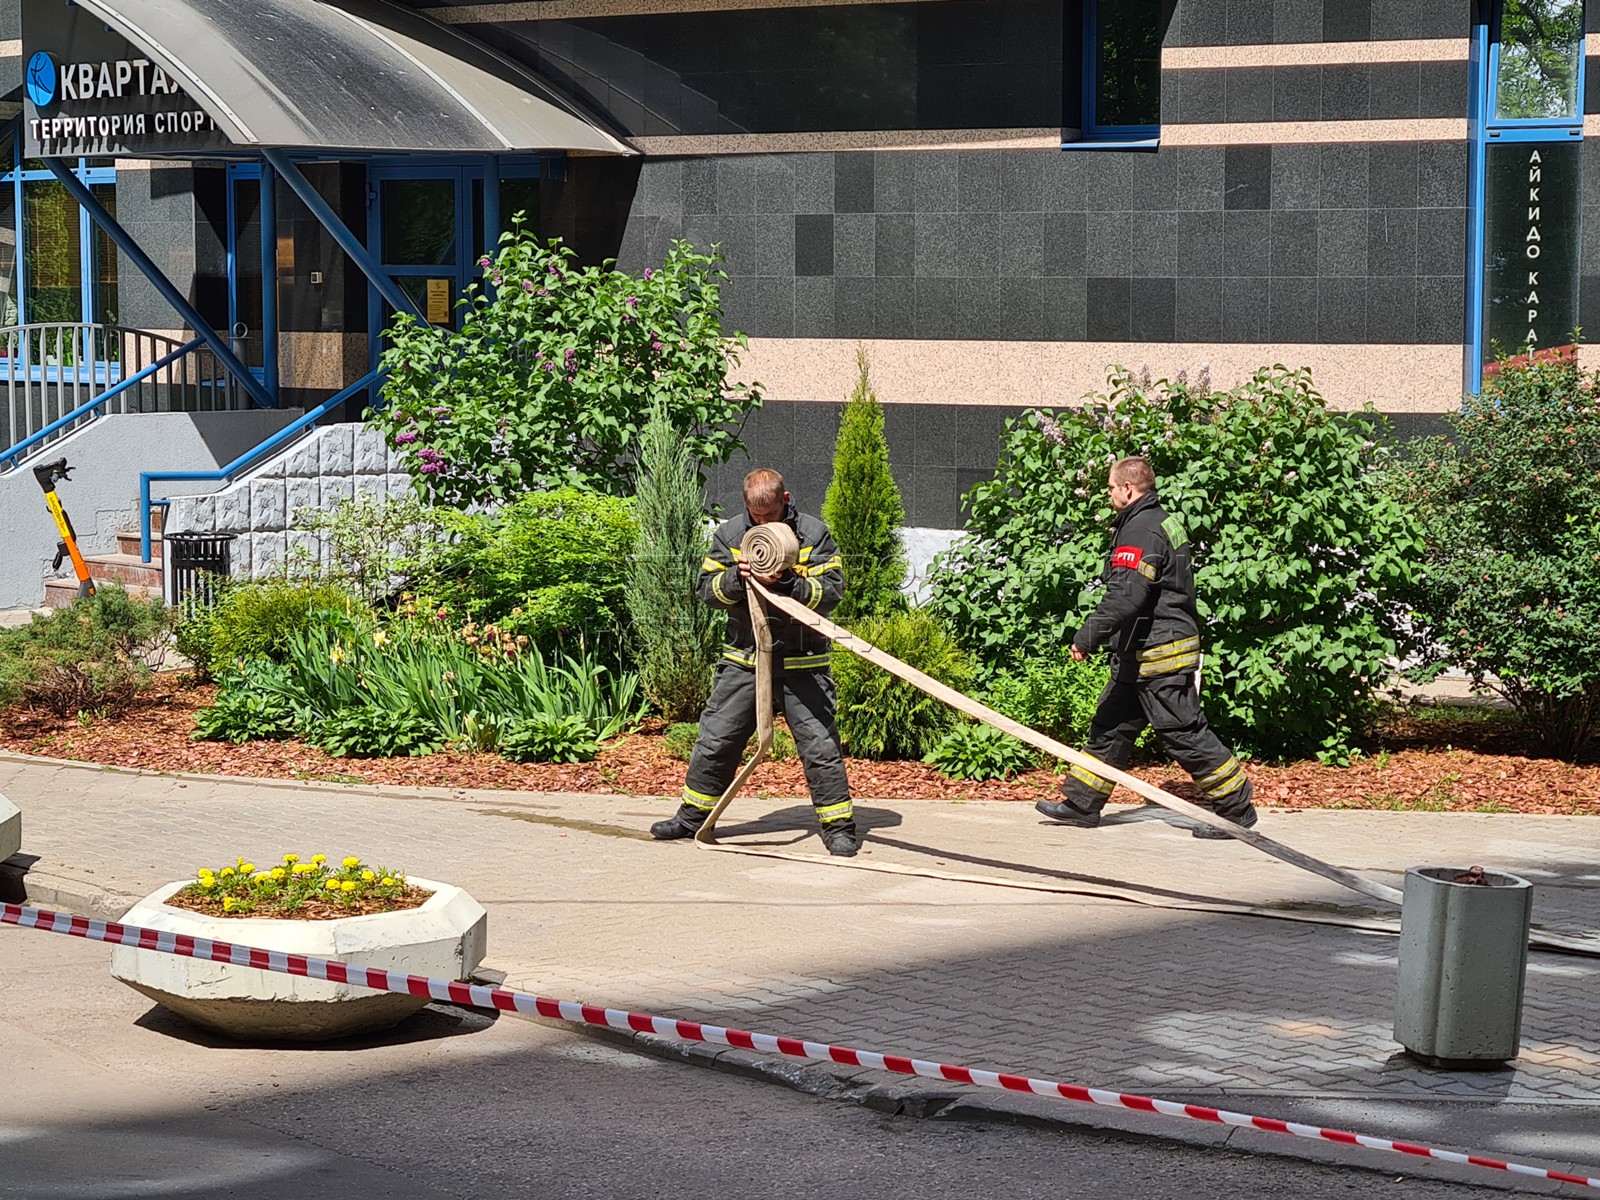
1304	243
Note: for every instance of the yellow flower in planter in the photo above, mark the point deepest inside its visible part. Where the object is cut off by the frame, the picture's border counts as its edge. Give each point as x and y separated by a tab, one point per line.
229	904
279	873
332	885
247	868
352	862
225	873
208	883
388	882
291	859
319	859
348	885
367	877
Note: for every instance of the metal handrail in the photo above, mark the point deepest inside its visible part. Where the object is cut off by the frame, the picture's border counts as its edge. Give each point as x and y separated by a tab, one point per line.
248	458
8	458
50	372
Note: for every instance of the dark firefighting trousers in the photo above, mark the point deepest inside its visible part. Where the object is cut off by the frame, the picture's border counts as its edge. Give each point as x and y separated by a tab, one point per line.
807	701
1170	705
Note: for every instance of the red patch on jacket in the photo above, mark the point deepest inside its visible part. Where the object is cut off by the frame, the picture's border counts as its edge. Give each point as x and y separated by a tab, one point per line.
1127	556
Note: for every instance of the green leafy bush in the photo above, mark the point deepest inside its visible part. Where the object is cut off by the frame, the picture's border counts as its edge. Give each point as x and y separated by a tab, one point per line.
259	620
245	710
373	546
553	373
372	731
1299	553
677	637
976	751
679	739
468	689
542	738
1510	507
1053	695
883	717
863	509
92	656
553	566
196	620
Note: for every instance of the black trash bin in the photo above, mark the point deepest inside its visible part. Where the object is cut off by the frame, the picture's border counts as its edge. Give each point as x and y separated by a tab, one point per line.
195	562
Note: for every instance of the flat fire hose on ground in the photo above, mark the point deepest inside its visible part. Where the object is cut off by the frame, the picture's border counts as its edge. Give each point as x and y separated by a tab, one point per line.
770	549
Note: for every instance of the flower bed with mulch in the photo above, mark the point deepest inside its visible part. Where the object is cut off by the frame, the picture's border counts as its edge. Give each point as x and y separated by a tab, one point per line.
1438	760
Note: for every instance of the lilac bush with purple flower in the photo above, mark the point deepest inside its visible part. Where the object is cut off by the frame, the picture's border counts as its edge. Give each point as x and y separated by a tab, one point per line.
552	376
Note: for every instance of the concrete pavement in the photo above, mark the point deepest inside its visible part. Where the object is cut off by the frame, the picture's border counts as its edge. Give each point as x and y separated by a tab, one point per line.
1281	1018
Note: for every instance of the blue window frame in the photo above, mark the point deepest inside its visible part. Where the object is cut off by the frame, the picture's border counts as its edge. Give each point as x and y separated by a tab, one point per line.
428	222
60	266
1526	130
1121	73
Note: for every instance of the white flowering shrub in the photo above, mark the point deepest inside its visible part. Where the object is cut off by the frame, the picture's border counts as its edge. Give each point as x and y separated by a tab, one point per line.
1297	549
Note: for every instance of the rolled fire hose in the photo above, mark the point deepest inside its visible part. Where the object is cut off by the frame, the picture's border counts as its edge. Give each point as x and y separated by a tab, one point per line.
772	548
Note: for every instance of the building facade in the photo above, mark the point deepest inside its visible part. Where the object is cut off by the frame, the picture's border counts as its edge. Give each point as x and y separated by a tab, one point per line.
999	199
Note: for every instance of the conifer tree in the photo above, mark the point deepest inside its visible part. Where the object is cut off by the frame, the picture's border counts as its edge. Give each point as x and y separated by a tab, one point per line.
863	508
677	638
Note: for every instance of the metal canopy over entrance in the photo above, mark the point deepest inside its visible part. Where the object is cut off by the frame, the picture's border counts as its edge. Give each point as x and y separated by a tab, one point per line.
356	75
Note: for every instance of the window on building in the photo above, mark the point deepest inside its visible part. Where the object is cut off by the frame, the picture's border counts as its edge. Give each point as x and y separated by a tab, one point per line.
1540	60
56	265
1122	69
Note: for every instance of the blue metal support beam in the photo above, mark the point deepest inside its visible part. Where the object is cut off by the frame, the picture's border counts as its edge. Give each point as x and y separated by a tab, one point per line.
269	276
348	242
491	208
169	292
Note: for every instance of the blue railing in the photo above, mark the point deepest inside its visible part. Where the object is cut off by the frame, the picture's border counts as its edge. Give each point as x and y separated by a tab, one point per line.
245	460
9	458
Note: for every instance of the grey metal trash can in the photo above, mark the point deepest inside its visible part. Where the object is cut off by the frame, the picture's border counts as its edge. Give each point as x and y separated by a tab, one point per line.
194	563
1463	962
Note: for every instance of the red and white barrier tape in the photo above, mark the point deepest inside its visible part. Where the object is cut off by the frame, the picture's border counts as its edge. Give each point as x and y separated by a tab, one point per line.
693	1031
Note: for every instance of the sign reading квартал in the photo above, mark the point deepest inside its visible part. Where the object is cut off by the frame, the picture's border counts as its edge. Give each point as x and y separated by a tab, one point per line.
87	91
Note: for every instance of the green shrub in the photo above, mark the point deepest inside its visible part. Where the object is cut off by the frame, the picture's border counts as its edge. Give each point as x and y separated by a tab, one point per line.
259	620
677	638
1510	583
551	377
92	656
863	509
1298	551
552	566
883	717
373	731
375	546
247	711
1053	695
976	751
469	692
196	621
679	740
542	738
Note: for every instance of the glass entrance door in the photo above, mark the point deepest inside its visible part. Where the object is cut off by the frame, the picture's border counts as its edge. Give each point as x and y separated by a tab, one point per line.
245	275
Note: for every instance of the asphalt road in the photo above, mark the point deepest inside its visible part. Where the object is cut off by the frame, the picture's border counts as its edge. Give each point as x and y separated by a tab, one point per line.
109	1097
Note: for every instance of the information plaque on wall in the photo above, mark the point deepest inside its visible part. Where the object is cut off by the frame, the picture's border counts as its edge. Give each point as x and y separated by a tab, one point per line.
1533	205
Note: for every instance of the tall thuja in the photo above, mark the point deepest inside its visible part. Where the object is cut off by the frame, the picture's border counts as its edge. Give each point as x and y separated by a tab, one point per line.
677	639
863	507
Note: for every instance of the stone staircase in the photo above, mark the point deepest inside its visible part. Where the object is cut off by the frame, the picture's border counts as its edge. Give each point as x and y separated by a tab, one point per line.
141	579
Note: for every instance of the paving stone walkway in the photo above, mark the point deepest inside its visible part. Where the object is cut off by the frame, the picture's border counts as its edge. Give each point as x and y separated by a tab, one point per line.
1137	997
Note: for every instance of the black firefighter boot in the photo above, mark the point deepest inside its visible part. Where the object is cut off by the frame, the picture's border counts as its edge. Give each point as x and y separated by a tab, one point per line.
1245	818
684	823
840	839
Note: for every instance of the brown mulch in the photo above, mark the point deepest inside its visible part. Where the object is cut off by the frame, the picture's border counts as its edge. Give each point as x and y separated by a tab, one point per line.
1474	762
313	909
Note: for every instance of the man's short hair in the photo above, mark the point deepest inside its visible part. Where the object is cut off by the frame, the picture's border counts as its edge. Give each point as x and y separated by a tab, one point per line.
763	489
1136	471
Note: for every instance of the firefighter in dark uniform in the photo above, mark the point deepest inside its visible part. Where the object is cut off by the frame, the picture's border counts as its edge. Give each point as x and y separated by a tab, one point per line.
802	680
1147	618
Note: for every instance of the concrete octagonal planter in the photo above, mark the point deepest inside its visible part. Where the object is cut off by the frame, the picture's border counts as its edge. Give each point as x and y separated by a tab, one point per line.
444	939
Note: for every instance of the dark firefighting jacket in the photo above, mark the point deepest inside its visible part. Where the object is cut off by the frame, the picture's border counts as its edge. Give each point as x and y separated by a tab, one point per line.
817	581
1146	614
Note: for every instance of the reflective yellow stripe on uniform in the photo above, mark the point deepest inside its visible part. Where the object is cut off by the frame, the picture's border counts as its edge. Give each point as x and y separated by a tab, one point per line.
716	590
814	598
1089	779
1167	649
807	662
830	813
710	564
745	658
699	800
1224	781
1183	662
